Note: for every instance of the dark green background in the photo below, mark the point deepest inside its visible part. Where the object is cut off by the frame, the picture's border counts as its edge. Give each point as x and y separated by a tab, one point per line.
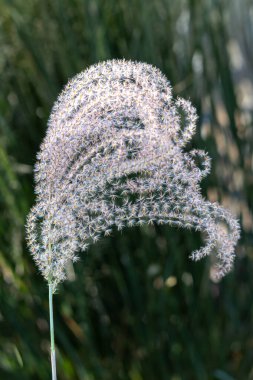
117	317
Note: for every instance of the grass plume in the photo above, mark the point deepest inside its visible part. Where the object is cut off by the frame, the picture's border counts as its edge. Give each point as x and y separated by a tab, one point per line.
114	155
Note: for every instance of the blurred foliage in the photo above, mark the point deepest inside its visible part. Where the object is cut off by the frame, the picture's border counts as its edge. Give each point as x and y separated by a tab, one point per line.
134	307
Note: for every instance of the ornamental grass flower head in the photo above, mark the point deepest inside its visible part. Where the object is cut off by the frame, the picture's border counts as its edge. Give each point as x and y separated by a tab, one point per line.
114	155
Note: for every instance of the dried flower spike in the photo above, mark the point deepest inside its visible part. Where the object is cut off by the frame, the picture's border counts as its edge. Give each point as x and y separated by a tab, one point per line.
114	155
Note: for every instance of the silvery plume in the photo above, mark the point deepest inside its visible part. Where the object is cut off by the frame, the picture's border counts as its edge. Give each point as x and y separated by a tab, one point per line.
114	155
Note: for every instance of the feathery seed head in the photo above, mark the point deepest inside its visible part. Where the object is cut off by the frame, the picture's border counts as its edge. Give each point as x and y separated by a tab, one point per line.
114	155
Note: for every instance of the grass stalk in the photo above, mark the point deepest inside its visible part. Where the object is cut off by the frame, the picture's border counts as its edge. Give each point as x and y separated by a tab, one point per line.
51	316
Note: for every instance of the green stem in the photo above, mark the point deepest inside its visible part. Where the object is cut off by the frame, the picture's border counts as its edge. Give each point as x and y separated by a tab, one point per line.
51	315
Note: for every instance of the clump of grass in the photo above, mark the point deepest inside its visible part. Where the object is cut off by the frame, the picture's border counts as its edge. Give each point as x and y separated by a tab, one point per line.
114	155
